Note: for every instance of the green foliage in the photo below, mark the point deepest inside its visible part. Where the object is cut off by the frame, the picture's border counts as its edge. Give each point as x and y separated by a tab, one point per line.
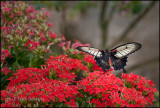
41	4
58	5
4	80
156	102
76	7
81	6
129	7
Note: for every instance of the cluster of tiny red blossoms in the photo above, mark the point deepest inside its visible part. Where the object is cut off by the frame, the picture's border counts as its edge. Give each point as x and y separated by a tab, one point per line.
39	94
111	91
65	68
32	87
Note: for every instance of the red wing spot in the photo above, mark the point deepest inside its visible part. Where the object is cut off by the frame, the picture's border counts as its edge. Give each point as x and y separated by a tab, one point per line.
100	50
110	61
114	50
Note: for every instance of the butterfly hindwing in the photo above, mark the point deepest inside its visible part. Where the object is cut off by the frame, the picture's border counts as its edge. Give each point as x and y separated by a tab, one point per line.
118	63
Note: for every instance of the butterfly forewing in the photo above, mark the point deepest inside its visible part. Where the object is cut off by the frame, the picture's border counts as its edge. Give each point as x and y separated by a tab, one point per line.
92	51
126	49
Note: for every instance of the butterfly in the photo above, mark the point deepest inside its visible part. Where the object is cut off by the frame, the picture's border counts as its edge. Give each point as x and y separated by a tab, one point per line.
118	56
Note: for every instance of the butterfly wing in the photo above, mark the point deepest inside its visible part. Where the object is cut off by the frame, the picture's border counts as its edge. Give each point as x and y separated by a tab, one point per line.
126	49
118	63
119	54
92	51
102	59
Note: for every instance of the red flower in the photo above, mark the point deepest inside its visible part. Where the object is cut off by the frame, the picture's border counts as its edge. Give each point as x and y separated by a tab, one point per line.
52	35
6	70
71	103
68	45
42	37
28	42
47	13
6	52
62	44
6	9
77	43
50	24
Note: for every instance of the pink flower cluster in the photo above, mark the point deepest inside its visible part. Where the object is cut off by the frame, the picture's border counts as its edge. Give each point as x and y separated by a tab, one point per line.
71	49
24	29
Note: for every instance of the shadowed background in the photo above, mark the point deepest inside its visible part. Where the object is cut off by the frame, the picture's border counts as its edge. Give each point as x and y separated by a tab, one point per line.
107	24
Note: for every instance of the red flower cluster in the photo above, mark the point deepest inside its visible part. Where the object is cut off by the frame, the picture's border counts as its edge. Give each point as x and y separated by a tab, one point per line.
34	87
4	54
108	90
5	70
64	67
32	45
39	93
140	84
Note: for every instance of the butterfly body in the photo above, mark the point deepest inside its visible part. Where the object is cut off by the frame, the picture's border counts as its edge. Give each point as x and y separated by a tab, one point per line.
117	56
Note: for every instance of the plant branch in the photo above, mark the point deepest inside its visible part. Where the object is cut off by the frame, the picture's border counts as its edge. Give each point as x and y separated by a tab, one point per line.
110	16
103	23
133	24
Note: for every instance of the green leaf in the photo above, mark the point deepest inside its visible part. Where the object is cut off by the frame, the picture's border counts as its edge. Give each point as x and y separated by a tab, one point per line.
35	60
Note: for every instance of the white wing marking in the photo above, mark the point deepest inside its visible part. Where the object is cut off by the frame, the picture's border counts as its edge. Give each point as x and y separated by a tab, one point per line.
91	51
125	50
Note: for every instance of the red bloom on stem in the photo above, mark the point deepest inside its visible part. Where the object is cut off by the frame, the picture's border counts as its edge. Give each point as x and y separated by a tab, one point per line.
6	52
77	43
42	37
6	9
68	45
6	70
28	42
47	13
50	24
62	44
33	44
52	35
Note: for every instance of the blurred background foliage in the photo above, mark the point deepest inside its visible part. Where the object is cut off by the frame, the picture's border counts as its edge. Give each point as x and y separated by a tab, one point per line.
79	14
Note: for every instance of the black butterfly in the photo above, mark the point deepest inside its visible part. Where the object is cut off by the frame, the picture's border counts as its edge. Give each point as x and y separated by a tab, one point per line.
118	55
